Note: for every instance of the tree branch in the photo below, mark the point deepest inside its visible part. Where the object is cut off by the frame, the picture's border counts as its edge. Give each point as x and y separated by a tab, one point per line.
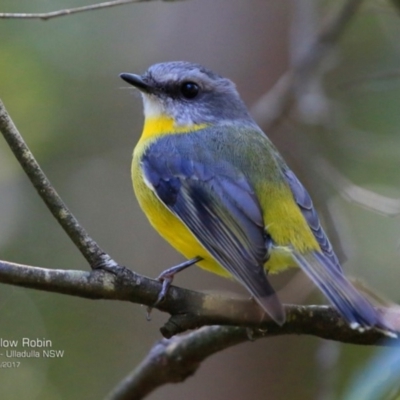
174	360
190	309
70	11
95	256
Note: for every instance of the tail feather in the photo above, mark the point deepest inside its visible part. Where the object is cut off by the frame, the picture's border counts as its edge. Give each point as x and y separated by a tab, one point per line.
353	307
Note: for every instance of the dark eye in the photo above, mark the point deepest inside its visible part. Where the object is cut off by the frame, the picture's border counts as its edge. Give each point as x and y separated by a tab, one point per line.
189	90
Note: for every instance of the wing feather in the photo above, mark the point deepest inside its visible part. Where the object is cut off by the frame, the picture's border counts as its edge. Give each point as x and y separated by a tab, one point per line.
223	213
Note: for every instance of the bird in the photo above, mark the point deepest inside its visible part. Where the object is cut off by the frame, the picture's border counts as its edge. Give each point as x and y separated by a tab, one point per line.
217	189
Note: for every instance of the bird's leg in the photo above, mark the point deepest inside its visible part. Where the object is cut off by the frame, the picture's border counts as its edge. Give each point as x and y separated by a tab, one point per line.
166	277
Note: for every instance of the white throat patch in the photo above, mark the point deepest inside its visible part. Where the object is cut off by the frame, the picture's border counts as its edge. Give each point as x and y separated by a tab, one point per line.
152	107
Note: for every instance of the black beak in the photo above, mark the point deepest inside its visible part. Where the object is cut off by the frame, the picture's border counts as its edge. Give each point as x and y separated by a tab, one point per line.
137	81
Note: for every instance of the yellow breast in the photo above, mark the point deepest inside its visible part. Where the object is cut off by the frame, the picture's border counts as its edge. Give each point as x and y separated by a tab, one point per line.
161	218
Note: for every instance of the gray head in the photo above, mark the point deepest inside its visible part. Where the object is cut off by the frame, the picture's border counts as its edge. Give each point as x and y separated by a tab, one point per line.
189	93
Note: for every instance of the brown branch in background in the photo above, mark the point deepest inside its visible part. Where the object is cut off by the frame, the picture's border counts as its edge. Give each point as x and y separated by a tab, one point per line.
70	11
274	105
95	256
368	199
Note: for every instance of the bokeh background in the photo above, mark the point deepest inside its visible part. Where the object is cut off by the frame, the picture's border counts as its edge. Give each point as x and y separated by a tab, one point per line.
59	81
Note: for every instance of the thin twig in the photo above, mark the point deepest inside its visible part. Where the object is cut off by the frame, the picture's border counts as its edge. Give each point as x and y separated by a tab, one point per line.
70	11
87	246
274	105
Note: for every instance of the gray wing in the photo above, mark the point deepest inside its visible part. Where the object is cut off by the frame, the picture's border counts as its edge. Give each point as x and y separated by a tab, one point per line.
219	207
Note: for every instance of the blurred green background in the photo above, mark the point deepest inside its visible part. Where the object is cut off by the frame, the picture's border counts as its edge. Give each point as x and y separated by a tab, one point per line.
59	81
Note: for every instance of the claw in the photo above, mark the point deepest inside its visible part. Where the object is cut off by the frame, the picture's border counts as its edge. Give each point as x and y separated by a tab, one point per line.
166	277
